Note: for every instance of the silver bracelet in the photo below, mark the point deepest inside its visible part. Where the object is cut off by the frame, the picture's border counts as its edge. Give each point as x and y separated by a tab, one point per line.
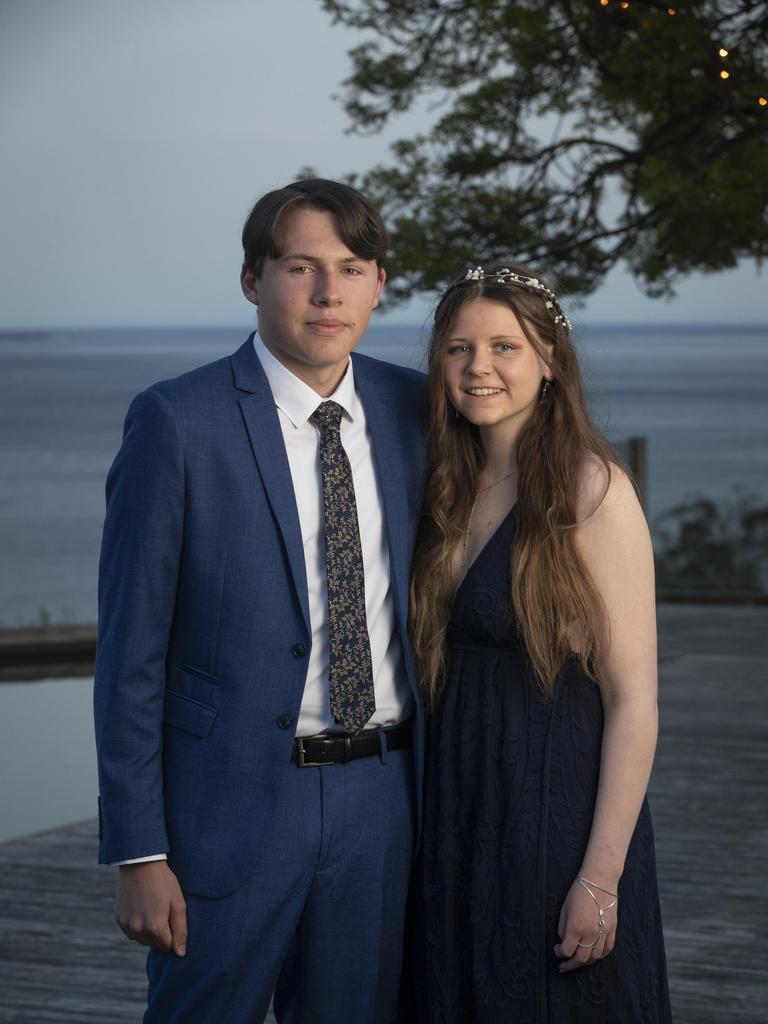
585	884
594	885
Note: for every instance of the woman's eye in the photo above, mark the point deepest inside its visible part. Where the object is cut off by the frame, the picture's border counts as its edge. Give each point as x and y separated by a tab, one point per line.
455	349
503	346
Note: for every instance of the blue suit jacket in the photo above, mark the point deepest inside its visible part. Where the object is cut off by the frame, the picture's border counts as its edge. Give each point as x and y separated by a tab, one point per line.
203	614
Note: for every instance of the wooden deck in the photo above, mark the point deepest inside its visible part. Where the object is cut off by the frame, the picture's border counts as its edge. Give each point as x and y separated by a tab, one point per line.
709	798
63	961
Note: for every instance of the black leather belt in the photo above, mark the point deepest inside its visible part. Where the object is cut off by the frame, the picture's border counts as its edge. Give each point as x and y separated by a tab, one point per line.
314	751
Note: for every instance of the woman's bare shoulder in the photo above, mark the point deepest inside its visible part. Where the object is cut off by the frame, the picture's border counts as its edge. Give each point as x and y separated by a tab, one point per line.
607	506
603	490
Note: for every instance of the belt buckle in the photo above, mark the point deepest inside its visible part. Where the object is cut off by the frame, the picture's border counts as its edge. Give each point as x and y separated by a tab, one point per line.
303	763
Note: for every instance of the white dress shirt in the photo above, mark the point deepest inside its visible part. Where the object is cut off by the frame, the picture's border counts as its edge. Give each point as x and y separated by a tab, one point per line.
295	402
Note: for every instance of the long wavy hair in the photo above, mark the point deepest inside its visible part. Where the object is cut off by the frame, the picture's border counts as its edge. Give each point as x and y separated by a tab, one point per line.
553	596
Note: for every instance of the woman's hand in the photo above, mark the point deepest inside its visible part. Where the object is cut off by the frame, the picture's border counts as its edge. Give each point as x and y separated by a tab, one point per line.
580	922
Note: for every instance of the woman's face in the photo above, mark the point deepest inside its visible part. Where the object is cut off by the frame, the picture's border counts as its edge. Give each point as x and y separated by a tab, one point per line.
492	372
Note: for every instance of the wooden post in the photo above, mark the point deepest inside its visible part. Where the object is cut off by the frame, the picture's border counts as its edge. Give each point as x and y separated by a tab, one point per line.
638	465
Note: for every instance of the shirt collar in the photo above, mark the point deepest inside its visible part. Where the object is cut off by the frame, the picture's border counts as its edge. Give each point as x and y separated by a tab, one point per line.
295	398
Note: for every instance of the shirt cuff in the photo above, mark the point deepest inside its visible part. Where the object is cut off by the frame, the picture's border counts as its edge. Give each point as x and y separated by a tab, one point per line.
140	860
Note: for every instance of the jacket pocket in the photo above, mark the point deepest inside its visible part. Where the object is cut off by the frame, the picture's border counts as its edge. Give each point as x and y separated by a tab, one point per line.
191	701
188	715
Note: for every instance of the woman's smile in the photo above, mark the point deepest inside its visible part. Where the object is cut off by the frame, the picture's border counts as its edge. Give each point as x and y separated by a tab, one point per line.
483	392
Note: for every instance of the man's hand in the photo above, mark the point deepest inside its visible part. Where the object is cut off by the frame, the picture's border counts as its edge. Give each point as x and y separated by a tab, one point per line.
150	906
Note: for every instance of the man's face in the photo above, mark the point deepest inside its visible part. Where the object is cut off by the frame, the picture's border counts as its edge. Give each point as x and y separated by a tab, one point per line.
315	300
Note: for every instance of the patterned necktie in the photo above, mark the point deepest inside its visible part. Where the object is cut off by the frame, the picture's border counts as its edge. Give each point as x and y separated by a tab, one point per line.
351	672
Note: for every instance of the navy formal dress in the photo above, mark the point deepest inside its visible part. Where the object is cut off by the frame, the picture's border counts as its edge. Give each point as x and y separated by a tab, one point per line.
511	786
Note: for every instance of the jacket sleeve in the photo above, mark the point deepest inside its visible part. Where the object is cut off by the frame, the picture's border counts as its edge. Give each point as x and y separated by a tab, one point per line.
138	574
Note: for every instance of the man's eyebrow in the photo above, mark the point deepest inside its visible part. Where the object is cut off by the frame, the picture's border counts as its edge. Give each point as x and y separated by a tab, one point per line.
318	259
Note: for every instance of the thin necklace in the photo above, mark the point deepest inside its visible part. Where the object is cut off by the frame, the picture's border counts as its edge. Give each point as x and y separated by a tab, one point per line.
472	512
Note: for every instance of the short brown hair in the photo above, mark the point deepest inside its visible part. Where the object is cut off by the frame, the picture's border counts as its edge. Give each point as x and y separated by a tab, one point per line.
359	222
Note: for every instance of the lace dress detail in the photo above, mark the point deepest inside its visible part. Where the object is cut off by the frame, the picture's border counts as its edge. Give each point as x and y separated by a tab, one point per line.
511	786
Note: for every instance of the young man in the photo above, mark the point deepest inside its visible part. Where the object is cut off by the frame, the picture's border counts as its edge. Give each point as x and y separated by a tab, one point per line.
258	723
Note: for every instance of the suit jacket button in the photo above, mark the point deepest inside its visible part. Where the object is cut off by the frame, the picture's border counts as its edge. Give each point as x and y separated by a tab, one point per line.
284	721
299	651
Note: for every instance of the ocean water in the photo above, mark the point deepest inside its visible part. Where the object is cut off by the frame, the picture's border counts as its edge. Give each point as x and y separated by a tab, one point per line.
698	394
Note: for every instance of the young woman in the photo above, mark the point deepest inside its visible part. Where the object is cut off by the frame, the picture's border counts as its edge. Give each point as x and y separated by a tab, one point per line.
533	618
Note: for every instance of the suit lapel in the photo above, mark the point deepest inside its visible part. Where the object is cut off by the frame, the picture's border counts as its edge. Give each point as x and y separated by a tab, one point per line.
263	426
381	417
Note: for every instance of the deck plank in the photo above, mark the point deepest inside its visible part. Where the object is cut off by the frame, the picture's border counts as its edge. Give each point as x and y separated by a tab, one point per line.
63	961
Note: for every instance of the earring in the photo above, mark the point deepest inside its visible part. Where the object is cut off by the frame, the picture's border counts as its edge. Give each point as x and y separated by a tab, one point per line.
544	389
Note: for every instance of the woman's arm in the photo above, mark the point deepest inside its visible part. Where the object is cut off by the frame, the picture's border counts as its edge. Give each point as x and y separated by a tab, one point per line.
615	544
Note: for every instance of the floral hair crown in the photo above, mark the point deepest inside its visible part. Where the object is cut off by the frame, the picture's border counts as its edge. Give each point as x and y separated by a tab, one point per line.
532	284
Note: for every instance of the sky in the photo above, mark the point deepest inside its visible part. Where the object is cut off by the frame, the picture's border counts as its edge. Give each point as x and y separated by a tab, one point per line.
137	135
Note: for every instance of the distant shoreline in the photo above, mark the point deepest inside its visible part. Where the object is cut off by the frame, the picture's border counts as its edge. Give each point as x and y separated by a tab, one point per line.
25	334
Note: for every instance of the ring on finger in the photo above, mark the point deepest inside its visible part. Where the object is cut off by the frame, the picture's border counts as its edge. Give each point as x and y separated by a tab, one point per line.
591	945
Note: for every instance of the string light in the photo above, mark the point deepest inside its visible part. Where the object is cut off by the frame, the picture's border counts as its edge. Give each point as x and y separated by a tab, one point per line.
723	53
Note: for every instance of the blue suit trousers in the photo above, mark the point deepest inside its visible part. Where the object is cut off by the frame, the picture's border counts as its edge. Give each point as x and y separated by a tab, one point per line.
319	923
